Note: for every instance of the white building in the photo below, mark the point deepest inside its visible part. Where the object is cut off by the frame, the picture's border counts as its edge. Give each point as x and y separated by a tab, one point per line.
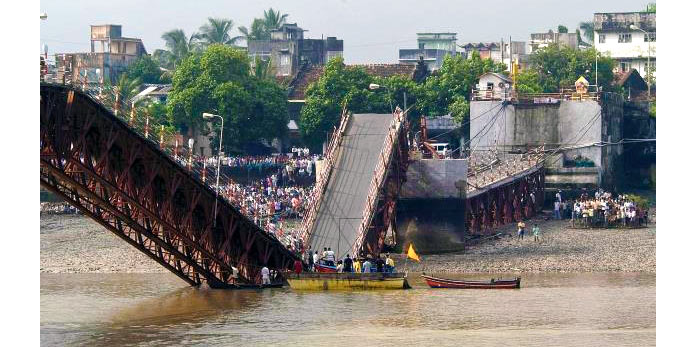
630	47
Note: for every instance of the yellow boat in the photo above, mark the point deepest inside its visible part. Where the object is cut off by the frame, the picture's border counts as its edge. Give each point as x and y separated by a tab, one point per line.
347	281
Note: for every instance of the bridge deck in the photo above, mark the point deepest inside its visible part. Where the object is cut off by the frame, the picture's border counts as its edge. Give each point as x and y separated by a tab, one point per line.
343	202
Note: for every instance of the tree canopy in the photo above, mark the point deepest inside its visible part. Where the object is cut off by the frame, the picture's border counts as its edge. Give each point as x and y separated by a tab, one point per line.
219	81
146	70
217	30
261	27
446	91
559	66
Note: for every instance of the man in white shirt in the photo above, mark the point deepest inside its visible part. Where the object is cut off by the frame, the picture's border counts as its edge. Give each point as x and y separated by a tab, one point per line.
265	275
556	209
558	196
330	257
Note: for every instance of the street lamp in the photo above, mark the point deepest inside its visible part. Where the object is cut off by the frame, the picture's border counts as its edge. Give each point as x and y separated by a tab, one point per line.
375	86
647	72
209	116
43	16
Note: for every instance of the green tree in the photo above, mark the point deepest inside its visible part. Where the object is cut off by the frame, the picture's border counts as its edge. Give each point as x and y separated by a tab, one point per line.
587	29
273	19
146	70
217	30
179	47
454	82
528	82
651	8
257	32
219	81
562	29
447	91
559	66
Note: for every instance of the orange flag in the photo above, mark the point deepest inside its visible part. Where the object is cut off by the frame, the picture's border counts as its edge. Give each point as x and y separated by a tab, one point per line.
412	253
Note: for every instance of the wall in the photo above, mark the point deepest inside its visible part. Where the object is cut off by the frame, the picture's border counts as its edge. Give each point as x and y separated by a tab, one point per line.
565	123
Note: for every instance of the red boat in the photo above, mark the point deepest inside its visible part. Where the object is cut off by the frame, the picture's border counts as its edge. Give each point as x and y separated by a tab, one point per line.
324	268
435	282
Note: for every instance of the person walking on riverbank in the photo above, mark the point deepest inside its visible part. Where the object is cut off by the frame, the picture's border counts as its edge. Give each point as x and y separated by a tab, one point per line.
556	210
535	231
520	230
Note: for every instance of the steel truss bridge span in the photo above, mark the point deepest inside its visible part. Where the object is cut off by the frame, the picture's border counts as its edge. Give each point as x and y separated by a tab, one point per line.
126	183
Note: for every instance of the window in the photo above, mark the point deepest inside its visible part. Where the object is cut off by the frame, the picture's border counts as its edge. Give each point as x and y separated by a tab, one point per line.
624	38
649	37
284	59
602	38
489	85
625	66
421	46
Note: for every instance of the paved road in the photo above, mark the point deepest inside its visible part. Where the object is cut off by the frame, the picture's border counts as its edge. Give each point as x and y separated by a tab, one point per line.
340	212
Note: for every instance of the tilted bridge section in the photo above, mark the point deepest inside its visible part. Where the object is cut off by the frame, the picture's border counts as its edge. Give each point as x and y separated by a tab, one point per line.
354	200
125	182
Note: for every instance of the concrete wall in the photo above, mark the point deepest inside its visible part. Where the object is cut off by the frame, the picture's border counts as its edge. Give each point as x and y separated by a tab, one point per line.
435	179
566	123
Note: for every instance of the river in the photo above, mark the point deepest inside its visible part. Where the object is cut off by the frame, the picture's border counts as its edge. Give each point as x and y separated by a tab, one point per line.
551	309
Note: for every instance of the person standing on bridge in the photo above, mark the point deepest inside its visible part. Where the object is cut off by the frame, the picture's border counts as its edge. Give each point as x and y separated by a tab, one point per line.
265	275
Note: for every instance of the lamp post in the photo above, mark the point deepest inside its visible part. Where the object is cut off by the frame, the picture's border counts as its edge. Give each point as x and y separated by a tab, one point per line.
375	86
43	16
647	72
209	116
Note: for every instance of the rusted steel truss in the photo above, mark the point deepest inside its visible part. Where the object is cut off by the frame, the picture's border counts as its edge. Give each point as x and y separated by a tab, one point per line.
384	218
124	182
507	203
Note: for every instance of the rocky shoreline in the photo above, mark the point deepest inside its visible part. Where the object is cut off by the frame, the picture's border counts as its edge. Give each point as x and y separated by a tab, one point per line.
76	244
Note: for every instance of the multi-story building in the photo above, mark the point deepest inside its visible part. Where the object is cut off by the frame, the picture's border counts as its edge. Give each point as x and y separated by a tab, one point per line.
629	38
515	49
110	55
288	50
541	40
432	48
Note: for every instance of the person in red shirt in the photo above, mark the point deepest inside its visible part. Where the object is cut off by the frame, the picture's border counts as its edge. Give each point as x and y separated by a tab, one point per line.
297	267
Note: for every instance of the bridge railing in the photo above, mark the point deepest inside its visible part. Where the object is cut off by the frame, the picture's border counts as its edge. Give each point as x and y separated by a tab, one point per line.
378	176
498	170
323	179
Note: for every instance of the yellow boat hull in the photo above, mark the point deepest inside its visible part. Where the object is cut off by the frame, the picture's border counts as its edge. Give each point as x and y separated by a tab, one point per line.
347	281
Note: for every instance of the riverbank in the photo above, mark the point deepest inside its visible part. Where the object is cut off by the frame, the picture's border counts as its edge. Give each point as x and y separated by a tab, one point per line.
561	249
76	244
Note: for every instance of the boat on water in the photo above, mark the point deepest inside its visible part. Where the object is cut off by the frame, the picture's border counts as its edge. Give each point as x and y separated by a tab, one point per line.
347	281
435	282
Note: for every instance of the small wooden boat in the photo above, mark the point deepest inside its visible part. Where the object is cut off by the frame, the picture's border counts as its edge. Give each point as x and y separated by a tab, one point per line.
325	268
435	282
347	281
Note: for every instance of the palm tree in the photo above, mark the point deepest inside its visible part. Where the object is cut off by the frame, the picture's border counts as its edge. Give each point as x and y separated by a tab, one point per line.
127	88
258	31
179	45
587	31
217	30
273	19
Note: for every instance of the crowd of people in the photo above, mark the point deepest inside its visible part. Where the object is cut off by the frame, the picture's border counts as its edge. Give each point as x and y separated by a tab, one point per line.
327	258
601	210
